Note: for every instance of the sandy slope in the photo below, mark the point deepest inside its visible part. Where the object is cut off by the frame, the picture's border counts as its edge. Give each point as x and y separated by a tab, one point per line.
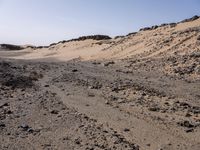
145	44
140	91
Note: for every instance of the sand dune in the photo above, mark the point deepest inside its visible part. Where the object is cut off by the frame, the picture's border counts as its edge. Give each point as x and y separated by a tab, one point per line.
151	43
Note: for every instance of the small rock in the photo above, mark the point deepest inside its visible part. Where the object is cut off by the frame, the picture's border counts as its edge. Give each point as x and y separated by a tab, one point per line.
189	130
54	112
156	109
195	110
91	95
188	115
4	105
24	126
186	124
9	112
77	141
126	130
198	38
107	102
149	145
184	104
30	130
74	70
108	63
2	125
96	63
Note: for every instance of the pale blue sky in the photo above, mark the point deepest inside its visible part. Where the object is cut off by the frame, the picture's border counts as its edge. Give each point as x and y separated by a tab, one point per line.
42	22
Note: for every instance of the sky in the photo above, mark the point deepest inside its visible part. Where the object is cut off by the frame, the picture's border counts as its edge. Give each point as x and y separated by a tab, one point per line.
41	22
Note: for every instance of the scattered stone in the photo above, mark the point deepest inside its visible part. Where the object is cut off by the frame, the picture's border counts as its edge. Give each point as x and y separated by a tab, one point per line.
96	63
126	130
189	130
186	124
184	104
74	70
108	63
4	105
8	112
77	141
148	145
188	115
107	102
195	110
91	95
198	38
24	126
30	130
2	125
55	112
156	109
95	85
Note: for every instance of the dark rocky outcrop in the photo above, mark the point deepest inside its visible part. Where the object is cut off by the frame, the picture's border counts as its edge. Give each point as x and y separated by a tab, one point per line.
132	33
40	47
91	37
117	37
10	47
169	24
82	38
190	19
145	29
172	25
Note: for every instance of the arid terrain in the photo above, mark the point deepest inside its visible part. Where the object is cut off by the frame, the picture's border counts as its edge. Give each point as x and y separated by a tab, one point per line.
135	92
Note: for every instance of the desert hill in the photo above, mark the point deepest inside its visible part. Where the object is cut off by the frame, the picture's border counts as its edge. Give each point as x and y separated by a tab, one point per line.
154	41
139	91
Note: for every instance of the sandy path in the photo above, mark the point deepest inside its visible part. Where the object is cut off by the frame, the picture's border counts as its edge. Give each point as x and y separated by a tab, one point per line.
141	130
